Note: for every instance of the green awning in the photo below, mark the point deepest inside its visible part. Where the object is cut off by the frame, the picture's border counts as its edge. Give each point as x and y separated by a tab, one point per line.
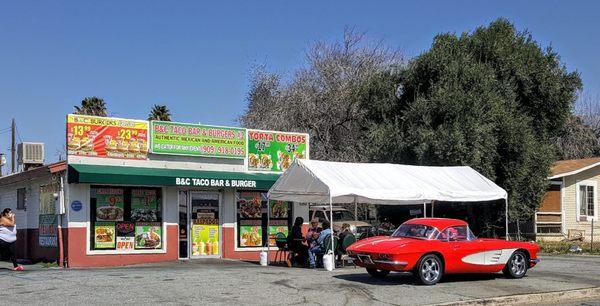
97	174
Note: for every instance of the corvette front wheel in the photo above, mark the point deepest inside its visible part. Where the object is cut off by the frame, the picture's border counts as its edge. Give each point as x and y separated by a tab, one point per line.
517	265
378	273
428	270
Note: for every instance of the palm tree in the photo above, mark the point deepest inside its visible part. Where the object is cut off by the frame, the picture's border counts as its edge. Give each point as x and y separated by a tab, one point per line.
160	113
92	106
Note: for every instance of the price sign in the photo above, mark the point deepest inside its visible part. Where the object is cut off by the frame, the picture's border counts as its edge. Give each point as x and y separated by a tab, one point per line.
107	137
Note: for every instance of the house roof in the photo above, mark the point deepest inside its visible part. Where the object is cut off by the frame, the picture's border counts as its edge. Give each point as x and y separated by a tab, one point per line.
572	166
33	173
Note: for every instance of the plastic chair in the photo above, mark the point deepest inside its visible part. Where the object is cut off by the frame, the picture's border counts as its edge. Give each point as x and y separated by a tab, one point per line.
349	239
282	248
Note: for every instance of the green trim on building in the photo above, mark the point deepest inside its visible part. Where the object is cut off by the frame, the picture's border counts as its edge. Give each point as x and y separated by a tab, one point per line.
97	174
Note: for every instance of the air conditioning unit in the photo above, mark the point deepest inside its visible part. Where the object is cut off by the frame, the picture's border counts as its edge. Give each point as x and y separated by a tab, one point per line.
30	153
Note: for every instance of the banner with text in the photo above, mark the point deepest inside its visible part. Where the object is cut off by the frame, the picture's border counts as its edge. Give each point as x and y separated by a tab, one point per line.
197	140
275	151
107	137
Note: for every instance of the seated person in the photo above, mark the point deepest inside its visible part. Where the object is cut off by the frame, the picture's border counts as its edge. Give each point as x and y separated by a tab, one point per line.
297	245
343	233
314	228
319	245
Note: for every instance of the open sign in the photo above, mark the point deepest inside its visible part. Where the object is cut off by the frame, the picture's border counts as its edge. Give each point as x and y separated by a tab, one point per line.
125	243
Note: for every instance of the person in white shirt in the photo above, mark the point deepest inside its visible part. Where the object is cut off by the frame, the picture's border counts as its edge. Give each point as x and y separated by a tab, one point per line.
8	237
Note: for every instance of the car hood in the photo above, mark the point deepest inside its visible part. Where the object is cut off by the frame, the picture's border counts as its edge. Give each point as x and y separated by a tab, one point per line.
383	244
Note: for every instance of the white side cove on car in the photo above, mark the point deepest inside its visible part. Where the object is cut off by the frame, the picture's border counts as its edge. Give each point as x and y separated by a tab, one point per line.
487	258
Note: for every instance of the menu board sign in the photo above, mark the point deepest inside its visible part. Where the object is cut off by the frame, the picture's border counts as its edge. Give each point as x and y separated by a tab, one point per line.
104	235
48	231
107	137
148	235
197	140
144	205
109	204
275	151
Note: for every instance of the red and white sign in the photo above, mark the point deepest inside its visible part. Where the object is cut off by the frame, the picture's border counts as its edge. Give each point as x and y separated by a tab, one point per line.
125	243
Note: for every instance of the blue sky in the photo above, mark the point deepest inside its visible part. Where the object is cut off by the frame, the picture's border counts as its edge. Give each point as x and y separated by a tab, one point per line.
196	57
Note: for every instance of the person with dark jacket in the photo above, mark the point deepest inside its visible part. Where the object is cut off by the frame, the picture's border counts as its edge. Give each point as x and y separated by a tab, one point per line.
8	237
297	244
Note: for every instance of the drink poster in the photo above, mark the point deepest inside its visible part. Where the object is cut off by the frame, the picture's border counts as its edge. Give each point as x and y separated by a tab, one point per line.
104	235
148	235
275	151
144	204
107	137
198	140
109	204
205	239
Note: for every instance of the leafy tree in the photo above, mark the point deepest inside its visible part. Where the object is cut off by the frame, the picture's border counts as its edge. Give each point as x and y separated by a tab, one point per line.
92	106
492	99
160	113
324	98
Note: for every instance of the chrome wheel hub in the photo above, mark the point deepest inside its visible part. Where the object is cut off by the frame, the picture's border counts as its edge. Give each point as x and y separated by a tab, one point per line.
430	270
518	264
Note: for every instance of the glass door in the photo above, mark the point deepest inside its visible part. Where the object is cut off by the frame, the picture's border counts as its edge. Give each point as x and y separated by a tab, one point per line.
204	222
183	225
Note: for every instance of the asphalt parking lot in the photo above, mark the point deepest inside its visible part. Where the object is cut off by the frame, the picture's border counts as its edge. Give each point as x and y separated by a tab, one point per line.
231	282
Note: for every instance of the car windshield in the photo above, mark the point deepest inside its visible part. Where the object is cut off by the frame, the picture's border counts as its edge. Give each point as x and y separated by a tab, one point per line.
342	215
417	231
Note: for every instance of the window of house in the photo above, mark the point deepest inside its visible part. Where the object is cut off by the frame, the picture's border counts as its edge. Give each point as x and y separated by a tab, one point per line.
586	201
125	218
21	198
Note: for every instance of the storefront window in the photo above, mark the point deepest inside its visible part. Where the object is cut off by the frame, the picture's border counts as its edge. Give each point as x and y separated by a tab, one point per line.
125	218
253	230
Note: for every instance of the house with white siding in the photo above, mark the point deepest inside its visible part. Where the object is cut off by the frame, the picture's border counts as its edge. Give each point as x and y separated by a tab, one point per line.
570	207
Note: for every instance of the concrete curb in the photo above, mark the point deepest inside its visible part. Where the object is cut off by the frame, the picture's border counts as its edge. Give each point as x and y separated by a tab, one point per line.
533	298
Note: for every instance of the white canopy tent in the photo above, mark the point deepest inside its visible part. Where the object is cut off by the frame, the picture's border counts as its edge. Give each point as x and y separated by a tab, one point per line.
312	181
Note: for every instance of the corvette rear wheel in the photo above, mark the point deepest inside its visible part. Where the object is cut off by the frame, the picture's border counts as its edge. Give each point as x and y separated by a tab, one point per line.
429	270
517	265
378	273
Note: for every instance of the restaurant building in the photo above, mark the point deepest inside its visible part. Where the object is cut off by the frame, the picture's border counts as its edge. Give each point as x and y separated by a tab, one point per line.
140	191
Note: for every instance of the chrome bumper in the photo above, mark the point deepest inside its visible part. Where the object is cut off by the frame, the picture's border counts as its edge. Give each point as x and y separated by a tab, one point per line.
392	263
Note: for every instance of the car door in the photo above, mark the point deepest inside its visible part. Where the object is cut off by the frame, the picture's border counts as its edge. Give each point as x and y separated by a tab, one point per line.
464	254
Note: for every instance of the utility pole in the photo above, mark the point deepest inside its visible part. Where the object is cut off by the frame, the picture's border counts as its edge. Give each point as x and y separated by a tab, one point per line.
13	128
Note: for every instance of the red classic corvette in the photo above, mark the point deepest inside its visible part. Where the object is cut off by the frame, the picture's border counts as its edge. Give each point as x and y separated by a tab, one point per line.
431	247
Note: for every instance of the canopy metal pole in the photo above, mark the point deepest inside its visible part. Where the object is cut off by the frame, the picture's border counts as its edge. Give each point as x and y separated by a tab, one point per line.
268	220
432	204
506	216
331	227
355	210
424	209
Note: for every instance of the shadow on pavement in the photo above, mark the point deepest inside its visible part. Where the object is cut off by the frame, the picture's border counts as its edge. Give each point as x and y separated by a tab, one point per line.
407	278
